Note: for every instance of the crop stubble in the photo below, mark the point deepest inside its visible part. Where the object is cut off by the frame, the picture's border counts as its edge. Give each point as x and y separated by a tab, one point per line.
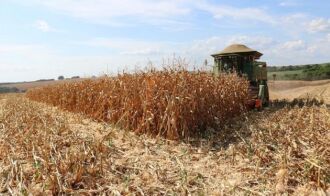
47	151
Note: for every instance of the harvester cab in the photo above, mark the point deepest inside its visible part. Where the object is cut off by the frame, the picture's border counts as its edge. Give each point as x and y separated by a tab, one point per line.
243	61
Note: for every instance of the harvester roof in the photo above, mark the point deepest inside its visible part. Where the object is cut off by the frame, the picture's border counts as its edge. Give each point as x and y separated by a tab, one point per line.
237	49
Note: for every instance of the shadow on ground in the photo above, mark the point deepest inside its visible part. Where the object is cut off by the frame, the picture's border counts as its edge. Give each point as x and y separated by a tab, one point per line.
297	102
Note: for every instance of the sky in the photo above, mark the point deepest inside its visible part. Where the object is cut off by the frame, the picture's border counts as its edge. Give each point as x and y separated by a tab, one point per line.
42	39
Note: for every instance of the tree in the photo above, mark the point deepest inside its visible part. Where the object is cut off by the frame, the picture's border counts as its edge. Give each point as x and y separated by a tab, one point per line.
274	77
295	76
60	78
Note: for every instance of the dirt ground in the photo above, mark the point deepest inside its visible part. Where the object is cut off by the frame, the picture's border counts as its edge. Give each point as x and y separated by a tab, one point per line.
300	89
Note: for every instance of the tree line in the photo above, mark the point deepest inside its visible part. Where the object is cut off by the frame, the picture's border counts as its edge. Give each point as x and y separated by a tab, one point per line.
301	72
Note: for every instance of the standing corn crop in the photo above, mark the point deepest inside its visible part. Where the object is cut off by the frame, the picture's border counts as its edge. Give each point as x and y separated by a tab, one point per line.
171	103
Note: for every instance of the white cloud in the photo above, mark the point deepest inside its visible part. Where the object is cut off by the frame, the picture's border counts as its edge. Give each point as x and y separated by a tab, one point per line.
319	25
175	15
119	43
214	44
276	52
328	37
248	13
160	12
294	45
288	3
109	11
114	8
300	52
259	42
293	19
321	46
143	52
312	48
292	24
43	26
126	46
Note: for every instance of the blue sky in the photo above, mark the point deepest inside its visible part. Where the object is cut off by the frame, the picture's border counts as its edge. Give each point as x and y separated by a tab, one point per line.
44	39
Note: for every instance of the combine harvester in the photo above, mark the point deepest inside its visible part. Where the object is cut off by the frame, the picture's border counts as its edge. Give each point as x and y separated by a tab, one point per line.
242	60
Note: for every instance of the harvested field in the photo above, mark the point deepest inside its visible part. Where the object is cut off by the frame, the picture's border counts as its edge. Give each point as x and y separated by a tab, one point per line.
300	89
44	150
24	86
174	104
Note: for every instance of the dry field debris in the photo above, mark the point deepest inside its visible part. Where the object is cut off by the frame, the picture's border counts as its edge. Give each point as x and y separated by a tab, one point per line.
319	89
172	103
44	150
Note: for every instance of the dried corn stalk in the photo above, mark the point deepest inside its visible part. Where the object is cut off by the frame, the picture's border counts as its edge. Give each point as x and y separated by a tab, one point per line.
170	103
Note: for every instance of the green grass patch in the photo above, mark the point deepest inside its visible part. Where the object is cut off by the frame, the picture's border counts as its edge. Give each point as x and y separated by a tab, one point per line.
300	72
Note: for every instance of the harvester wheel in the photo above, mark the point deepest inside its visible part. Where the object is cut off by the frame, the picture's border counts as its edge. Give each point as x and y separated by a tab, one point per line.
264	95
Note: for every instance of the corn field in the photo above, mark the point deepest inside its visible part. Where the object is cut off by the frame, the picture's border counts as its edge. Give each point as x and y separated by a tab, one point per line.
171	103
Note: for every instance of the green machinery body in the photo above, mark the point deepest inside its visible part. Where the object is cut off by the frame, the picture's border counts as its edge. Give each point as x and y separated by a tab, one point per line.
242	60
